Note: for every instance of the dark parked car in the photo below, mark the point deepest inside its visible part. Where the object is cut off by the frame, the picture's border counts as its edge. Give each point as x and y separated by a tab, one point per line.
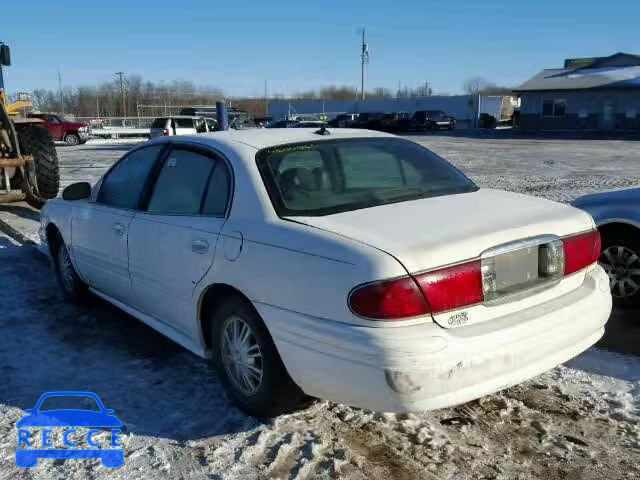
396	122
370	120
432	120
361	120
343	120
295	124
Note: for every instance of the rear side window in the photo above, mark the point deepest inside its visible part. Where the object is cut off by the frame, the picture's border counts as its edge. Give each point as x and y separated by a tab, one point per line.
123	185
217	196
191	183
332	176
181	184
184	122
159	123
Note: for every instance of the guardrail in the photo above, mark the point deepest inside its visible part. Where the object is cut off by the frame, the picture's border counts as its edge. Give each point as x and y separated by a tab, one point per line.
118	127
119	132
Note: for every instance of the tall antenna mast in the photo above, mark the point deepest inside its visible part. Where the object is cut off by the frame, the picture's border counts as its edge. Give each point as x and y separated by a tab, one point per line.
364	59
123	107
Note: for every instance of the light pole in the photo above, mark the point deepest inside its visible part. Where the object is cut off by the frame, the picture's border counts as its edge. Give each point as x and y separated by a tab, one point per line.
364	59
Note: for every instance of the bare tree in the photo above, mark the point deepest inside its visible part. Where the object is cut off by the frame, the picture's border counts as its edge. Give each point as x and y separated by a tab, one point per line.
475	85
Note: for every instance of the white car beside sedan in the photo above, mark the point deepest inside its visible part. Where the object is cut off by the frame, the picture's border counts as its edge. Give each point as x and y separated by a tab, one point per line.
349	265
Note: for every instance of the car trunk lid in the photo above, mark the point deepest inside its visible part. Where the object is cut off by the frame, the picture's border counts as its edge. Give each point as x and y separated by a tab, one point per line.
428	234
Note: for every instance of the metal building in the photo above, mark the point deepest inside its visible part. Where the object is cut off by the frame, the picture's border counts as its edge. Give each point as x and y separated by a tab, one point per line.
599	93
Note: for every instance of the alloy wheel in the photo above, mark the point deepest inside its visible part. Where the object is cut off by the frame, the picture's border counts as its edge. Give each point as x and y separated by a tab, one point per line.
66	269
241	355
623	267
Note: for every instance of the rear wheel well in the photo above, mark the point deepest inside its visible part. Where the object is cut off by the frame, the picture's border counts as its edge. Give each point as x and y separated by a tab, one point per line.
614	229
211	298
54	238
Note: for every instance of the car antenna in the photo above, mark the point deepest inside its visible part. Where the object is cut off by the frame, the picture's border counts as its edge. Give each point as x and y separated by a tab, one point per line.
323	131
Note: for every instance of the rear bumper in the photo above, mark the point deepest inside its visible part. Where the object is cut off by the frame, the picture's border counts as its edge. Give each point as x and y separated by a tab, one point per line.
423	367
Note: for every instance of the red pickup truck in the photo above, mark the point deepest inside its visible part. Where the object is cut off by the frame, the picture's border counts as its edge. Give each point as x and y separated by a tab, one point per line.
64	129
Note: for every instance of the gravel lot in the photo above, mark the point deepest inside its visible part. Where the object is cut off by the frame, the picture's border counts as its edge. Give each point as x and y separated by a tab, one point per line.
580	420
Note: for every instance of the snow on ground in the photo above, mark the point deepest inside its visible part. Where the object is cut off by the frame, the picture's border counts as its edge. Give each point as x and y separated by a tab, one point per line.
580	420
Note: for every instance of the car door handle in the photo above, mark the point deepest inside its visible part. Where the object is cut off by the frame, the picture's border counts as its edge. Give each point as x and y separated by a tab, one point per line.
200	245
118	229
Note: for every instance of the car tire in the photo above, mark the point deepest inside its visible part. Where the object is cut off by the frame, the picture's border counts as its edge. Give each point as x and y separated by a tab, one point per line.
72	287
72	139
620	258
251	371
44	170
451	126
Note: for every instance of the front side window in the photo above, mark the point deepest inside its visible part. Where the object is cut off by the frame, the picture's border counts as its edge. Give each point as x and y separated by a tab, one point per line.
554	107
190	183
123	184
333	176
185	122
211	124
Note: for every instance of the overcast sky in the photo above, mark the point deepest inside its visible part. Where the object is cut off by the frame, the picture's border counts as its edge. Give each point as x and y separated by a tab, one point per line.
301	45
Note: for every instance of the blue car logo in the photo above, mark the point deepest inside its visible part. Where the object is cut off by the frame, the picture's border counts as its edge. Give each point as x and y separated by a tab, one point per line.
66	419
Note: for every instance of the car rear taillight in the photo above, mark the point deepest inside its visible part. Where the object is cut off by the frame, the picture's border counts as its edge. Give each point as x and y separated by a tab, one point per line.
165	132
580	251
452	287
466	284
389	300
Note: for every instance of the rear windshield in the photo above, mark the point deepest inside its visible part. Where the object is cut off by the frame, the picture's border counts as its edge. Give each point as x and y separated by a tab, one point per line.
311	179
159	123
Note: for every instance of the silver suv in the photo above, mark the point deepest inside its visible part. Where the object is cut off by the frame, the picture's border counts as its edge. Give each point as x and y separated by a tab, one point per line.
181	125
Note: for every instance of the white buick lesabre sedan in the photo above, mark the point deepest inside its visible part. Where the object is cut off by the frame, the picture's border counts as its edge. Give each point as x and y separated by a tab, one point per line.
349	265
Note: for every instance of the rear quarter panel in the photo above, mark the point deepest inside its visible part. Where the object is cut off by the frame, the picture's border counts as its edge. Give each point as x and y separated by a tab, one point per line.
297	268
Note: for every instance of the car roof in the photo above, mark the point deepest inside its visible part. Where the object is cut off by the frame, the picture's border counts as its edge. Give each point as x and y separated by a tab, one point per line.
260	138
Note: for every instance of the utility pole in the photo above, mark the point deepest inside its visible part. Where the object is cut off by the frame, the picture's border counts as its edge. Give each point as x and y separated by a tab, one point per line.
266	100
60	91
122	104
364	59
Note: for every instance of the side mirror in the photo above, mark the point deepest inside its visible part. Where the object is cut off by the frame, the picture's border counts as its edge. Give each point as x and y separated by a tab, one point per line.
77	191
5	55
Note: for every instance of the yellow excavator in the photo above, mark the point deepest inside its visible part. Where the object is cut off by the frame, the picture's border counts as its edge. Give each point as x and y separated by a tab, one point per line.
28	160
